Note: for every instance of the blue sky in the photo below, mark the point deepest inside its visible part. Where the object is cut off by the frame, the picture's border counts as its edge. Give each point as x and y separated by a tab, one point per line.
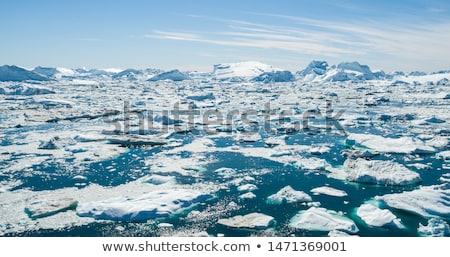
194	35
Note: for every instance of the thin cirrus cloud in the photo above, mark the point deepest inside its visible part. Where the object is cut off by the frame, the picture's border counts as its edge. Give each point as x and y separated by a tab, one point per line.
420	42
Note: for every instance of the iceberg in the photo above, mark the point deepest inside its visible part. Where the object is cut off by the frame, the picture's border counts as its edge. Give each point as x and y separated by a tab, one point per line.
275	76
435	228
325	190
407	145
51	205
174	75
288	195
17	74
380	172
427	201
321	219
376	217
248	221
245	70
155	204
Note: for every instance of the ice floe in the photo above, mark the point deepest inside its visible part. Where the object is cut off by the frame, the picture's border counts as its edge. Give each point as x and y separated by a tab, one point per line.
379	172
321	219
155	204
374	216
248	221
49	205
427	201
390	145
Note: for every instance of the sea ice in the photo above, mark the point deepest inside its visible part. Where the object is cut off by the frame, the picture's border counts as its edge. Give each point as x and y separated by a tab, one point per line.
406	145
321	219
248	221
155	204
50	205
288	195
379	172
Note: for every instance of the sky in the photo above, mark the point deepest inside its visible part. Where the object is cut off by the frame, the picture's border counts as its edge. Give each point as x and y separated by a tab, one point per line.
195	35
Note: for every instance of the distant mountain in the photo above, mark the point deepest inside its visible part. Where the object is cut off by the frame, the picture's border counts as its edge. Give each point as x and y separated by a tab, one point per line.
17	74
174	75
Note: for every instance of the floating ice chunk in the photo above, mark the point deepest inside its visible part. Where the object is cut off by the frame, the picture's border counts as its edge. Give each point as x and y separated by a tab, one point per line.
158	179
321	219
311	163
51	205
249	195
158	203
390	145
165	225
377	217
435	228
434	120
288	195
249	221
445	155
328	191
247	187
337	233
379	172
50	103
429	201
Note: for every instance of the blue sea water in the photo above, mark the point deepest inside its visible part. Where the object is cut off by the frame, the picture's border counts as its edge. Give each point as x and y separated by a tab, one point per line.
130	166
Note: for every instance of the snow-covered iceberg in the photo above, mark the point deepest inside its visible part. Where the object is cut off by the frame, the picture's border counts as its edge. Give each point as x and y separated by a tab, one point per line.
14	73
321	219
155	204
406	145
248	221
174	75
427	201
379	172
376	217
325	190
288	195
44	207
275	76
242	70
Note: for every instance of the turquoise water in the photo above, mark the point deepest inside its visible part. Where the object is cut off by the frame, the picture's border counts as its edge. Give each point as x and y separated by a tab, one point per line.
130	166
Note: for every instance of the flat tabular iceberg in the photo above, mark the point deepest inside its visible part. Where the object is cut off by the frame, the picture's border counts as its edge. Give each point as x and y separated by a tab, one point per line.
288	195
155	204
407	145
321	219
377	217
379	172
328	191
429	201
251	221
43	207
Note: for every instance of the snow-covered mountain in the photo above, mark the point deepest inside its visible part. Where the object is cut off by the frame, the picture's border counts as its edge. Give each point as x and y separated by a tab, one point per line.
14	73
